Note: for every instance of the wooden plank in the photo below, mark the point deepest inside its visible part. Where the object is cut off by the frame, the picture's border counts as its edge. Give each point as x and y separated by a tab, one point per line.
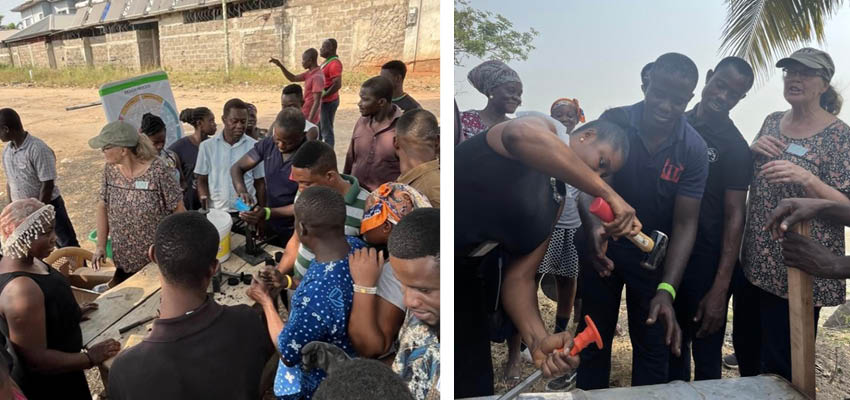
802	321
115	303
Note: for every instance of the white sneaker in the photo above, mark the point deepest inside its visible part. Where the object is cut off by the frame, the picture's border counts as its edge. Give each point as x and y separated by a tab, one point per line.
525	355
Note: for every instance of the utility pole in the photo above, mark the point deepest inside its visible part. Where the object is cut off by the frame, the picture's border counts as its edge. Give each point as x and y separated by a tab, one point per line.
226	38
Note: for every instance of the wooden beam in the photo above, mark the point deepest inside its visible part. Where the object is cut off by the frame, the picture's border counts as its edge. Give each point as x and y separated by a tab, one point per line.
801	315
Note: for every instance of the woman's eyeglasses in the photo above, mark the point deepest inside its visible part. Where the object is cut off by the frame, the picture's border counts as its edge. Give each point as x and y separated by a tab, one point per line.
802	73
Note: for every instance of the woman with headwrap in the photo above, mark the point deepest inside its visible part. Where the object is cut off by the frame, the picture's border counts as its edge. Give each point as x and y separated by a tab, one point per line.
503	89
39	313
376	318
567	112
138	191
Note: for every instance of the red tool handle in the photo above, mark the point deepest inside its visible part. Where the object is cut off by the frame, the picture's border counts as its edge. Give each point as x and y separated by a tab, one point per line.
584	338
600	208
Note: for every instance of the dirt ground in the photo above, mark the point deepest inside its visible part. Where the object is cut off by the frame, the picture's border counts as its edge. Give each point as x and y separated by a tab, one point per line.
833	351
80	168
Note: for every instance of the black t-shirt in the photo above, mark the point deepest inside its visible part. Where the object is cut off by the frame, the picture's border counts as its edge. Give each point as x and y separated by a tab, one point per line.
216	352
500	200
730	167
407	103
188	154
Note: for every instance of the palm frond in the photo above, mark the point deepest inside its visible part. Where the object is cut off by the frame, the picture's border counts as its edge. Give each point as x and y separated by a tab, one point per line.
762	31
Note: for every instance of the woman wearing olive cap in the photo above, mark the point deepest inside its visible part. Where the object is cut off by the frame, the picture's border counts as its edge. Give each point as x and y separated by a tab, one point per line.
137	192
801	152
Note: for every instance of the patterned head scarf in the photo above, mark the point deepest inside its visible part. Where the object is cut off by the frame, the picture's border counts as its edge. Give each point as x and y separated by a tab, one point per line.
390	202
490	75
574	102
21	222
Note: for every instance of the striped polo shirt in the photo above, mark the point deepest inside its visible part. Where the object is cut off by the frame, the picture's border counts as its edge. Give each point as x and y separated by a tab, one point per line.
355	200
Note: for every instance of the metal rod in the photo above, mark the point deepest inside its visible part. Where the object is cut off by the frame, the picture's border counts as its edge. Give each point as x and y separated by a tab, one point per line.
226	38
516	390
135	324
87	105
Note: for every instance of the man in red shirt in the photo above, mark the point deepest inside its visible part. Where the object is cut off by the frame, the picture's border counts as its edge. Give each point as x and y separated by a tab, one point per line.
314	83
332	70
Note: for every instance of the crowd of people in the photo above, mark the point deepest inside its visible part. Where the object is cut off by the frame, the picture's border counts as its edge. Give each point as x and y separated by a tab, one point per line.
360	271
725	205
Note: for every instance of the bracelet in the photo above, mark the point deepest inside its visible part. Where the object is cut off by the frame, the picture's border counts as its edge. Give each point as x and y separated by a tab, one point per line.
91	362
668	288
268	213
288	282
365	289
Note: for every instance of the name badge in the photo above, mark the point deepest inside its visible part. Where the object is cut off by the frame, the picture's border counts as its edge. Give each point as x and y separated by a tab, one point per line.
796	150
142	185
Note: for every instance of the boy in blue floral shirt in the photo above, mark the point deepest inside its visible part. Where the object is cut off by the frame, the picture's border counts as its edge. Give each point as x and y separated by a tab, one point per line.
322	303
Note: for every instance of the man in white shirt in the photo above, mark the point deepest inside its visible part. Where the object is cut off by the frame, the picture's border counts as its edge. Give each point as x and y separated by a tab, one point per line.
219	153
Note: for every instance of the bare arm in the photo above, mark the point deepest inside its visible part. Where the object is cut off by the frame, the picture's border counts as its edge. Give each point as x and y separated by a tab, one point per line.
374	321
532	141
46	192
317	101
287	262
289	75
818	189
685	218
203	190
23	306
238	170
335	86
260	188
712	309
519	295
373	325
102	221
791	211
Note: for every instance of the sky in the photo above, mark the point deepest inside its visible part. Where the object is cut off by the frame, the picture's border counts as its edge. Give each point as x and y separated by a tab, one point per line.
594	51
8	16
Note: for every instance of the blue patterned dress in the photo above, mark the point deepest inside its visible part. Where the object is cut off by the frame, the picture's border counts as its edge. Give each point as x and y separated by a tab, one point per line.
319	312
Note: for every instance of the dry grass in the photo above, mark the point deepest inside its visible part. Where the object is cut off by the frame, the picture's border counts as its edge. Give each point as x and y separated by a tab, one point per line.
258	77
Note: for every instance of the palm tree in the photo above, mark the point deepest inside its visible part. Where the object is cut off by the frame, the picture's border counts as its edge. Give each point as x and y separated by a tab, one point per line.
762	31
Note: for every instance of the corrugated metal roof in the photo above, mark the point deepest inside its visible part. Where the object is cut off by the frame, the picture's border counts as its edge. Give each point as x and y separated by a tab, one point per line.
184	4
136	9
52	23
80	17
96	14
116	9
6	33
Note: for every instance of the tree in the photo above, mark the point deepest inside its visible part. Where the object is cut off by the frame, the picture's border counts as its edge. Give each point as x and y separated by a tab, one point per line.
484	34
762	31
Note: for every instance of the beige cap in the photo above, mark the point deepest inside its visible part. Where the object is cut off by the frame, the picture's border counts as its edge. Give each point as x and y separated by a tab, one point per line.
118	133
812	58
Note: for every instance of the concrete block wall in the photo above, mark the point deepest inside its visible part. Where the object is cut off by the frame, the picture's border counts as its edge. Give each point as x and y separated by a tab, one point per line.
368	33
32	53
69	53
194	46
116	49
5	55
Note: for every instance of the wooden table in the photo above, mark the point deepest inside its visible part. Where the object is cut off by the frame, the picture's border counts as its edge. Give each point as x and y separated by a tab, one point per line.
138	298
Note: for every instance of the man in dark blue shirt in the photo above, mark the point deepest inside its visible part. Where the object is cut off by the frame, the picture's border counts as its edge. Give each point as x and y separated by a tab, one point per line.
663	179
275	152
703	295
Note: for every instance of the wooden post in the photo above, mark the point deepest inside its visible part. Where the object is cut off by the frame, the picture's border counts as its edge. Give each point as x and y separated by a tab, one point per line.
801	315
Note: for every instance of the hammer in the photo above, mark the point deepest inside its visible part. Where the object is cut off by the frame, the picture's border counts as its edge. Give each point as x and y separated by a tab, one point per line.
655	247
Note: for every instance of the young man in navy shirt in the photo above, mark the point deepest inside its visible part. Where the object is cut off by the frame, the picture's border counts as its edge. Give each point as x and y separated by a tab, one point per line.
703	296
663	179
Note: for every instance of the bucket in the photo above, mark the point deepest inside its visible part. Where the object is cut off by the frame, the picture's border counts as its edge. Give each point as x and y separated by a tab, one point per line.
93	239
222	222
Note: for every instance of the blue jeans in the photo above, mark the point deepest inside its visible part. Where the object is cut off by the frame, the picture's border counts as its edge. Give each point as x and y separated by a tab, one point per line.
326	121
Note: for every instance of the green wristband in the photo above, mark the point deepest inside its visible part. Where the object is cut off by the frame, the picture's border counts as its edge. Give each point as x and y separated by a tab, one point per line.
668	287
268	213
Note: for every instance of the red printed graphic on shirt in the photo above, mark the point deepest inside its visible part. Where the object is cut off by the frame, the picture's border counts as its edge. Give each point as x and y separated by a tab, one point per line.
671	172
